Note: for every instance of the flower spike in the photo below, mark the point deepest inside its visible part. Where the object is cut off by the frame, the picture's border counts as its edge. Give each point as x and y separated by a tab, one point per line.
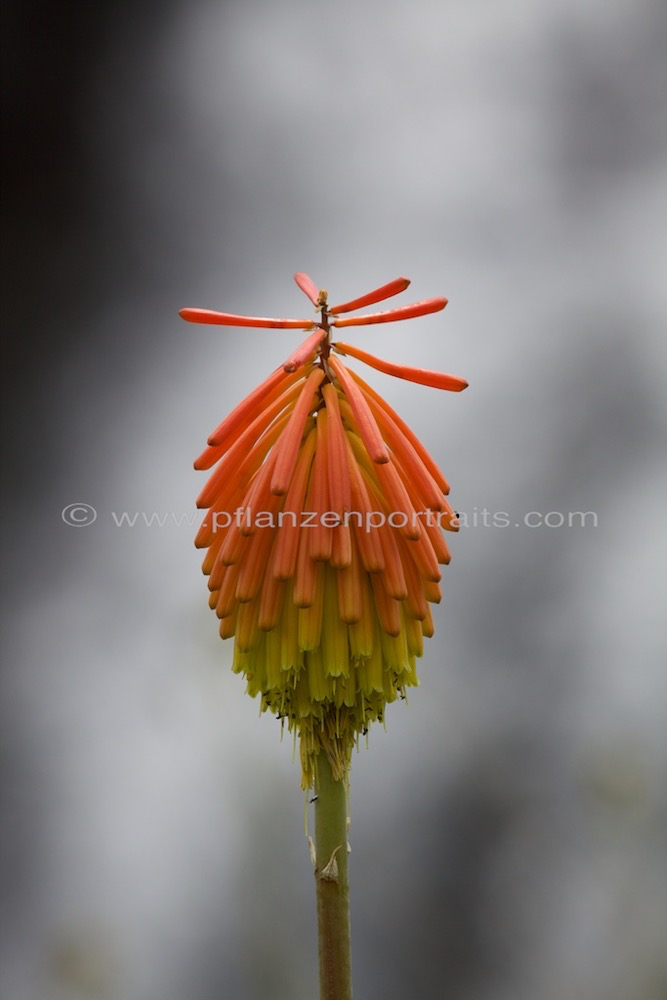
438	380
404	312
324	532
230	319
370	298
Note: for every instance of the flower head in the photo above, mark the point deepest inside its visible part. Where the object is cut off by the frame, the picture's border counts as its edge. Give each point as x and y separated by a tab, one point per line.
324	532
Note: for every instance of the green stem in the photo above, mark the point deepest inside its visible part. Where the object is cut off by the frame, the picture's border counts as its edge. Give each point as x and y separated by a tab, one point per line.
333	907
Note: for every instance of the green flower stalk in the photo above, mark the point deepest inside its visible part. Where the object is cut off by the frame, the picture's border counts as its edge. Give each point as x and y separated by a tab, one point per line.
324	539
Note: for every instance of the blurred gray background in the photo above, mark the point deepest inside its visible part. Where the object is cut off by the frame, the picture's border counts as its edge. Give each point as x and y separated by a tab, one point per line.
509	828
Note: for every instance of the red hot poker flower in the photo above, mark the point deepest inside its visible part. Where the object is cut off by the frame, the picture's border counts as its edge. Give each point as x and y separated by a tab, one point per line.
324	532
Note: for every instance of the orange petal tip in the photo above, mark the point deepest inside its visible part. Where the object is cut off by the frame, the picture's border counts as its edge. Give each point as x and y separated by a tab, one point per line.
422	308
438	380
377	295
305	351
193	315
308	287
